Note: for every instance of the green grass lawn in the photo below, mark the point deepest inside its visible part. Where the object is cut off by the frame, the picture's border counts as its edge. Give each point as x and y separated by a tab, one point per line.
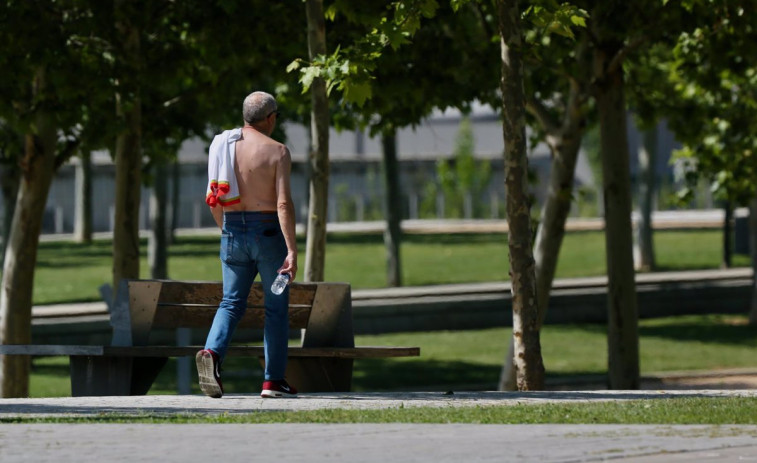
70	272
449	359
471	360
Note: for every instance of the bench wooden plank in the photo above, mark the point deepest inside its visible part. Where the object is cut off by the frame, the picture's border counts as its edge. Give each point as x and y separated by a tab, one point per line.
357	352
194	316
42	350
204	292
186	351
330	322
179	304
140	311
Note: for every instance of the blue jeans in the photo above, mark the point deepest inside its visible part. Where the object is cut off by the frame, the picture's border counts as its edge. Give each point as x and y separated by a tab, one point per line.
252	243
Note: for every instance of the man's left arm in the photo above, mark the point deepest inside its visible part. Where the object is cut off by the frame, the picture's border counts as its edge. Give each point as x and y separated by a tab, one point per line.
285	210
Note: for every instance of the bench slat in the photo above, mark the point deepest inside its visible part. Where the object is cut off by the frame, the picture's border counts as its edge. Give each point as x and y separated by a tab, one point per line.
183	316
178	351
334	352
211	293
50	350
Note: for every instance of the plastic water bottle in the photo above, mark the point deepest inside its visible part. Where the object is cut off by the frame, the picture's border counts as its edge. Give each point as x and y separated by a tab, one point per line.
280	283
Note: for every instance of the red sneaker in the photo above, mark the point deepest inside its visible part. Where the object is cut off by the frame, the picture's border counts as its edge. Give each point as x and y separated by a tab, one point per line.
276	389
209	372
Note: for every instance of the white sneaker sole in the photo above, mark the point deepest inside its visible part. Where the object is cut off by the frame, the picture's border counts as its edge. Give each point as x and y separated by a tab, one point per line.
208	383
269	394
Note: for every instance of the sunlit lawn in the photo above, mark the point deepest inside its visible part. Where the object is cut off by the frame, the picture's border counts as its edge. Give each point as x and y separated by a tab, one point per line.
450	359
73	272
460	360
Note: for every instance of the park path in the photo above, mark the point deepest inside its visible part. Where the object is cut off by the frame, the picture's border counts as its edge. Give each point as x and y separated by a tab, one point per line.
366	443
373	443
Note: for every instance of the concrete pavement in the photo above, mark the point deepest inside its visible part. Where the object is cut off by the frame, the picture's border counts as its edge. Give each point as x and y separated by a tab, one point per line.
369	443
20	442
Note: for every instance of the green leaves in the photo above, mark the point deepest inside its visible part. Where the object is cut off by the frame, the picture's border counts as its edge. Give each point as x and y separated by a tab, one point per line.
712	74
405	22
552	18
357	92
349	68
294	65
339	72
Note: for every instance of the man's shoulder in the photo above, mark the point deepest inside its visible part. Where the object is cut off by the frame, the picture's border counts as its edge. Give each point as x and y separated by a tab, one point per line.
226	136
275	146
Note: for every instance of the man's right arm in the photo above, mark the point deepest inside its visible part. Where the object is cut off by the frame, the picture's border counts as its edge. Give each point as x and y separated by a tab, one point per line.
285	210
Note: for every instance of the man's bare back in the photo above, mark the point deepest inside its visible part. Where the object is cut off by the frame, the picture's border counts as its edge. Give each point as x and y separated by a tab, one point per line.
262	171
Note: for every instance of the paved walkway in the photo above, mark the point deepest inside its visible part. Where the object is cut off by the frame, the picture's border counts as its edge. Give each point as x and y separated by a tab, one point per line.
20	442
369	443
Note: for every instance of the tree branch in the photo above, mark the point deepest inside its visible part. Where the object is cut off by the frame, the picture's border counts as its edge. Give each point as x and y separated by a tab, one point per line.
67	151
620	56
476	6
540	112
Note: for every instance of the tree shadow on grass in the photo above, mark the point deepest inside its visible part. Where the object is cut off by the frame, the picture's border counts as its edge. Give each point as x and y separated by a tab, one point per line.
95	248
457	238
682	266
50	369
242	375
435	239
57	263
432	376
427	375
74	255
210	251
246	375
710	333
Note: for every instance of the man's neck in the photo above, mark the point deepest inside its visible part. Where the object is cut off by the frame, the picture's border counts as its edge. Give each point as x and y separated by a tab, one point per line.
257	129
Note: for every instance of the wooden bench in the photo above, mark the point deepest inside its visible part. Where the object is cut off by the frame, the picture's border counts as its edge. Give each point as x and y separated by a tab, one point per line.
322	311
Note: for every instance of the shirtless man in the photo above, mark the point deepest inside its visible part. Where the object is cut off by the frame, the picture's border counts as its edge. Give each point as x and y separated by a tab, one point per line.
258	236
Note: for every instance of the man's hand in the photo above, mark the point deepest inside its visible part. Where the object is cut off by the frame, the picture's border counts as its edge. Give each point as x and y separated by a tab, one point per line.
290	266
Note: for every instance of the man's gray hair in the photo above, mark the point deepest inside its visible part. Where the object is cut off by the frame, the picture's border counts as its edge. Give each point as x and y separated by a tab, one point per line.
257	106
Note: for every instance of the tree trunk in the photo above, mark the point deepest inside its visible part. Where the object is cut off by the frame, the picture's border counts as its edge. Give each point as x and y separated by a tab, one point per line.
623	336
727	235
315	252
529	366
157	243
128	160
83	212
753	254
644	257
37	168
175	202
10	182
551	230
393	208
